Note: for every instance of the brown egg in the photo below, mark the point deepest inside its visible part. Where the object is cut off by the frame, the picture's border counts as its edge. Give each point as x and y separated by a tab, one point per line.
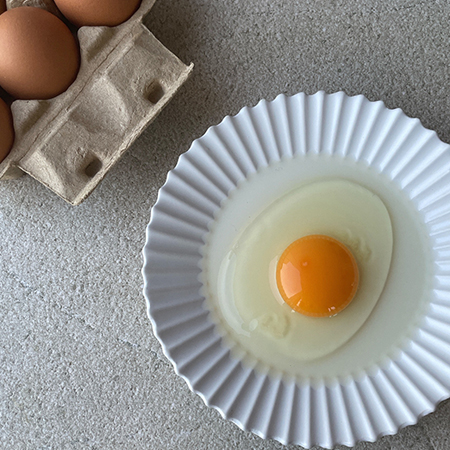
99	12
39	57
6	130
2	6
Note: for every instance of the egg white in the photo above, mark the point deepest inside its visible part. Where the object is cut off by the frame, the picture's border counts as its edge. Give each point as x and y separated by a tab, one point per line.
247	295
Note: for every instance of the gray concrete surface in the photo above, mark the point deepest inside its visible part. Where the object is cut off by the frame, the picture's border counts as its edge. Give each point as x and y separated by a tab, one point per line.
79	366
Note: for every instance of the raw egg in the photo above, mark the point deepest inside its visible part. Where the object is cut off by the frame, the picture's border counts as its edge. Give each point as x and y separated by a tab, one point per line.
317	276
97	13
6	130
39	57
302	278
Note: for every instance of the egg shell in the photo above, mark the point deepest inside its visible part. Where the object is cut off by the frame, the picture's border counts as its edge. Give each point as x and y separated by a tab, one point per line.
39	56
97	13
6	130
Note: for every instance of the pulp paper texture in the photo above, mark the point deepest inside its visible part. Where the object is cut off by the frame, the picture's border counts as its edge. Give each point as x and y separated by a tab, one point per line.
70	142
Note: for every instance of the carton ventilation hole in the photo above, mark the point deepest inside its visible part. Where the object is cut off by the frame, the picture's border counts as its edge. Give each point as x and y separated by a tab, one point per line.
155	92
93	168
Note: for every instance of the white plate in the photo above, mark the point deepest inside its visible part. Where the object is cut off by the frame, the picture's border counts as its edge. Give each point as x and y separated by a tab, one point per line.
322	135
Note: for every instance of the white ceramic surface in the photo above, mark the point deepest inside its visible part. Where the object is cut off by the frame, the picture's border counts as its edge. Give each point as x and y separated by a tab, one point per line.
345	410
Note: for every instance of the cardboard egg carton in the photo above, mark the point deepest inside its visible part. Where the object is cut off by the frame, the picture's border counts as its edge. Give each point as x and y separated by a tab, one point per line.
70	142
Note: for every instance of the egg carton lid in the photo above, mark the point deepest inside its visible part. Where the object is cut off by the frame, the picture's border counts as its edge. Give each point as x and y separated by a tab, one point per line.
70	142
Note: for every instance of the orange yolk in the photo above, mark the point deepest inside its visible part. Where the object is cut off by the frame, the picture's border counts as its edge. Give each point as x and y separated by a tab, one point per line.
317	276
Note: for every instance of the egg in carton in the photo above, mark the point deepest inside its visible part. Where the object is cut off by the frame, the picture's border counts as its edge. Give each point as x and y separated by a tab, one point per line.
70	142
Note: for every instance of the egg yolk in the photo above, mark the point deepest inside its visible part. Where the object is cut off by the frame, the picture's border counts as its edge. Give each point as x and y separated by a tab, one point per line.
317	276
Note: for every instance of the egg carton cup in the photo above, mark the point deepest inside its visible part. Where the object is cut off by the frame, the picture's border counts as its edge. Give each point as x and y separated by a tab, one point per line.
70	142
48	5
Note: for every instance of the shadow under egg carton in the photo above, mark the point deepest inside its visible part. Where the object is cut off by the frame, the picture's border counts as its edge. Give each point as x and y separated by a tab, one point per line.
70	142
